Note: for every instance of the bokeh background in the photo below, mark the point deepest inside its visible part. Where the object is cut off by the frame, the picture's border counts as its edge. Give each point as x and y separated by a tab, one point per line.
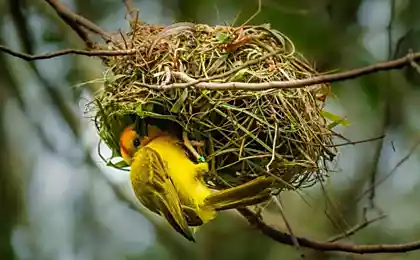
58	199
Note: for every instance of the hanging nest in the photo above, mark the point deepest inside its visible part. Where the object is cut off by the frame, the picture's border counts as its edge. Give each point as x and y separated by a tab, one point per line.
244	134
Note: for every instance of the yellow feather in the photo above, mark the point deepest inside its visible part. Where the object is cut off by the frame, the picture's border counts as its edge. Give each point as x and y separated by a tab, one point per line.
186	175
155	190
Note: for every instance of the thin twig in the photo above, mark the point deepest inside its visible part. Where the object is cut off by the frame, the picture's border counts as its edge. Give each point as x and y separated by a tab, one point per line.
403	160
355	229
255	14
285	238
376	160
357	142
49	55
288	226
189	146
274	148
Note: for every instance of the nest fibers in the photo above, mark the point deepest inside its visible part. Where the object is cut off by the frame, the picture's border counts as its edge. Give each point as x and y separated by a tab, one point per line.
244	133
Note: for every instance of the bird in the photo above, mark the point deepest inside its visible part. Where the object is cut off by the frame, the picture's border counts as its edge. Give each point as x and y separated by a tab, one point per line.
167	182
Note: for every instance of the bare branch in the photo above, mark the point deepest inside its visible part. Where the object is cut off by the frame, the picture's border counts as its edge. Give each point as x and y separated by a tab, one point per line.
285	238
75	21
81	32
350	74
198	83
286	222
49	55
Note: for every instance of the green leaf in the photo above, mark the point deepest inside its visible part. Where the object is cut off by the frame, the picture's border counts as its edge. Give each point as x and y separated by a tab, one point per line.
222	37
149	107
178	104
336	120
121	164
142	109
115	153
239	76
113	78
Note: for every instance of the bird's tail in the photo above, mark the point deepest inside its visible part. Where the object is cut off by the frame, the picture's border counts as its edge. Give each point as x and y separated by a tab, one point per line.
251	193
173	213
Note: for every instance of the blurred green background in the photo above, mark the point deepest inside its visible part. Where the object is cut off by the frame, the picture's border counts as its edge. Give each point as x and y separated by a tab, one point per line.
56	197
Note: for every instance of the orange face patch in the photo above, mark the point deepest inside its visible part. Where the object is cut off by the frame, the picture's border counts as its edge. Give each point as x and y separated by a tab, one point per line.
127	148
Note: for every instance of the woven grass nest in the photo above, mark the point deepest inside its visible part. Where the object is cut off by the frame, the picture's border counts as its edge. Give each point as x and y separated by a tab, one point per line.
245	134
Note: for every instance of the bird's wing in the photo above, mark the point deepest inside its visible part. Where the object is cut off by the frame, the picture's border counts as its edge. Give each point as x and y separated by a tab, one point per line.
158	191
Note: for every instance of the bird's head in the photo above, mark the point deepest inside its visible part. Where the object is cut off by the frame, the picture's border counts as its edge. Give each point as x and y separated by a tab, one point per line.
129	143
131	140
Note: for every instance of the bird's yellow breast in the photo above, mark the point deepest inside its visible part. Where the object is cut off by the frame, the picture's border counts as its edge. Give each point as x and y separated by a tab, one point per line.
186	175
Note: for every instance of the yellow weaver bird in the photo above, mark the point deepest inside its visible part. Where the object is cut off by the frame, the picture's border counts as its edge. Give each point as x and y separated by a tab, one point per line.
168	183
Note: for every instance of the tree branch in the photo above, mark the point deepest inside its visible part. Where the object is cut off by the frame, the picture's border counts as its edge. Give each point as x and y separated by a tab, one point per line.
49	55
355	229
201	84
350	74
77	22
83	34
285	238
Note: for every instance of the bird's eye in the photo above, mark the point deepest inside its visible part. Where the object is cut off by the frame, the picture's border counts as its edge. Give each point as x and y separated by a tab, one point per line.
136	142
